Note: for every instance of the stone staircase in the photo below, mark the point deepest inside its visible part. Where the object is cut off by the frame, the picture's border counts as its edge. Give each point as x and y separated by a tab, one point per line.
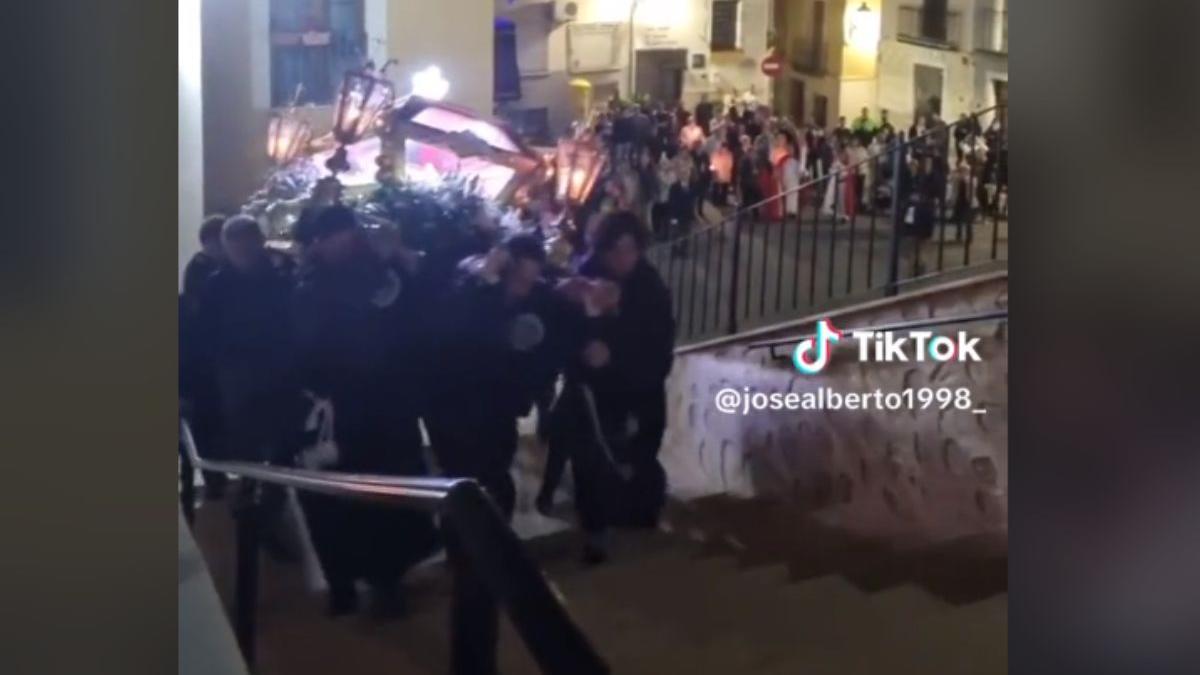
727	586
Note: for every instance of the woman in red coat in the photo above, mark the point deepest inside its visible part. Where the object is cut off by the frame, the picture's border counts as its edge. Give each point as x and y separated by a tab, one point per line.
849	186
772	210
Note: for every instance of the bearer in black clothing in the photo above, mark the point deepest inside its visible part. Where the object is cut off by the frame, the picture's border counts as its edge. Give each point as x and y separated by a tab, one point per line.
197	383
625	362
500	340
355	342
244	341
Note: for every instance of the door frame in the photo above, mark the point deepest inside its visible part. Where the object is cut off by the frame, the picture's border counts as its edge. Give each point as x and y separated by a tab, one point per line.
913	86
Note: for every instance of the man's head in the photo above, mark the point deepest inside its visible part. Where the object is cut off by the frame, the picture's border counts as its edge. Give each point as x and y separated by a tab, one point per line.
866	112
883	114
841	121
620	242
210	235
527	258
242	241
334	237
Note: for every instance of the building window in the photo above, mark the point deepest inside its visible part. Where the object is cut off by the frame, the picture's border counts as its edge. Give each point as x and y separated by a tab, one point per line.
933	20
313	43
726	28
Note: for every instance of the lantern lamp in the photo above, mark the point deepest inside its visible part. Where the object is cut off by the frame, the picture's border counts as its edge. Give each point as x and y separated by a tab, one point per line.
362	101
287	136
578	164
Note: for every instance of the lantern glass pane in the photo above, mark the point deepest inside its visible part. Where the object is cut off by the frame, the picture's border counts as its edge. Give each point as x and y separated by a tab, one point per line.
377	99
350	107
564	166
273	138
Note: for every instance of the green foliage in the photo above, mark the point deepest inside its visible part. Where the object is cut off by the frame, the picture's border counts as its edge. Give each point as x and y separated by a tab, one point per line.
432	218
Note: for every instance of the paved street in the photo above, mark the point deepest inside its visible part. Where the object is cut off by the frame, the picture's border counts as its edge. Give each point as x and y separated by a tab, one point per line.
788	270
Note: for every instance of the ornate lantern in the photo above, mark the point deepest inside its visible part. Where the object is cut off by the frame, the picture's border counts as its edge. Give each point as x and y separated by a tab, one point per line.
363	99
287	136
578	164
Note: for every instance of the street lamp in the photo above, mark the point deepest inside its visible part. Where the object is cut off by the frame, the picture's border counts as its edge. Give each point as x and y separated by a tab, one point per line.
363	99
862	28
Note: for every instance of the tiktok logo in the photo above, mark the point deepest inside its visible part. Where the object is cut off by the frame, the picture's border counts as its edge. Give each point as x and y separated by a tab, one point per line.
812	355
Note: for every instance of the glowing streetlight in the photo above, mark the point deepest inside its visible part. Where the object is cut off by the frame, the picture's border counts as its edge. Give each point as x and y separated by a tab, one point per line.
430	84
862	28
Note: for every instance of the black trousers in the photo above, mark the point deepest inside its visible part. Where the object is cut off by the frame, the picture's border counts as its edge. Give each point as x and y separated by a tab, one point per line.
370	542
483	449
354	541
601	498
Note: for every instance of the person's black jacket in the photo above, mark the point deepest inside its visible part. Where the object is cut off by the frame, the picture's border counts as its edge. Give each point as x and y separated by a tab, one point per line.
240	352
356	335
242	324
196	274
640	335
489	356
704	115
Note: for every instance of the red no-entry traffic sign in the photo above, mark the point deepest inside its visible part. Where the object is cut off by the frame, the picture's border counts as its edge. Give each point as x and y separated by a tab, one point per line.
772	64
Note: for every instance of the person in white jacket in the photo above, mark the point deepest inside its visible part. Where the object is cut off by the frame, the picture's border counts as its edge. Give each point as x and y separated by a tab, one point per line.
791	172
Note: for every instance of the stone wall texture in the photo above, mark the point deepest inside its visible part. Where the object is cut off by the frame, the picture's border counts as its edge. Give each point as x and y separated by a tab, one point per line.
919	476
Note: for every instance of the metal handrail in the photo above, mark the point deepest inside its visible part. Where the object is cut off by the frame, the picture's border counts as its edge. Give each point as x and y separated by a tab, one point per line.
496	553
887	328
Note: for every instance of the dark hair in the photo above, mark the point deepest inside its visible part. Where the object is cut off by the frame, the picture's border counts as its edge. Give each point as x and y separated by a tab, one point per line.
619	224
241	226
525	247
332	220
211	228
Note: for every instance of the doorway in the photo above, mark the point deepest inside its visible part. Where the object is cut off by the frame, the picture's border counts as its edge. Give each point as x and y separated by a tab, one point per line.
1000	92
796	108
660	74
927	90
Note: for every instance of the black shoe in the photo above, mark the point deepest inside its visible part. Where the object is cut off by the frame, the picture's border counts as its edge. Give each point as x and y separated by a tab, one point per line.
342	601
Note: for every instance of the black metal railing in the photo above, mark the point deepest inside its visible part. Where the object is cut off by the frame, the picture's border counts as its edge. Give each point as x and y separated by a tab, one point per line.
802	252
903	326
494	551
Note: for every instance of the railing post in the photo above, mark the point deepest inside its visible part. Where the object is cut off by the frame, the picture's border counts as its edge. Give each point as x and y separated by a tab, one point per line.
187	485
735	272
898	153
246	592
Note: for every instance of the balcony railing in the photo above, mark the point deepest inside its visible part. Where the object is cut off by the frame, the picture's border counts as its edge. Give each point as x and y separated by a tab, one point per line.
941	30
808	56
991	31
